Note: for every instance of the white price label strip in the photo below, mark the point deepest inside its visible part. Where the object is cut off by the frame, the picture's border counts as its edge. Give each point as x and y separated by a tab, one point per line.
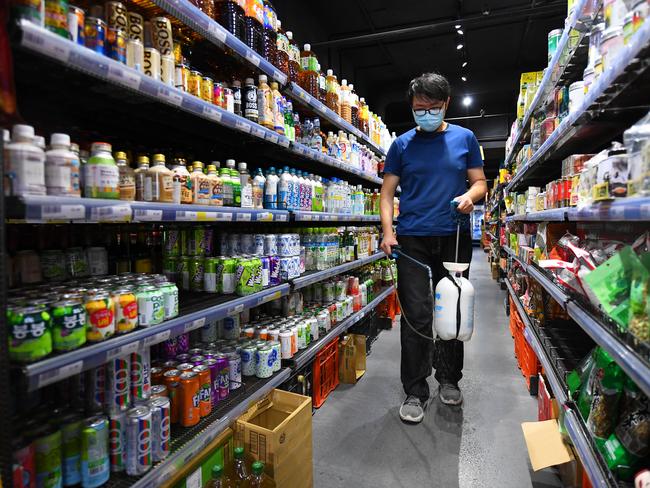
170	96
243	126
304	96
147	215
272	137
305	218
195	216
644	210
217	31
63	212
244	217
113	213
269	298
53	46
223	217
264	217
253	58
258	132
123	350
50	377
236	309
195	324
124	76
284	142
159	337
212	113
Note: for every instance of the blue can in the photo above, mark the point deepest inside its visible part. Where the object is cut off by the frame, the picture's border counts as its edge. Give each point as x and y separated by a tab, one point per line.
258	248
248	360
285	244
95	465
116	44
95	34
76	24
274	271
266	271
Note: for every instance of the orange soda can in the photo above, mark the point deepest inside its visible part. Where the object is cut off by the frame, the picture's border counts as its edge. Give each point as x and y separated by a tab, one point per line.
172	380
205	400
189	412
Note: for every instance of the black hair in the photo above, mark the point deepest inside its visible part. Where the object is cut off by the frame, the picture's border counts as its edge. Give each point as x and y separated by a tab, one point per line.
433	86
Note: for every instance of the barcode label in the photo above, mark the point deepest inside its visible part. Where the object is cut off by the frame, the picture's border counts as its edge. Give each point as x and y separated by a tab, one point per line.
55	375
124	76
236	309
195	216
243	126
279	77
123	350
264	217
305	218
195	324
211	113
304	96
244	217
283	141
270	136
115	213
62	212
253	58
644	211
223	217
170	96
159	337
48	43
217	31
268	298
147	215
281	217
258	132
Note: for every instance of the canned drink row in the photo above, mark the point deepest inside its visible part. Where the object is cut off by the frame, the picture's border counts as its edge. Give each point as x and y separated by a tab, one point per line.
52	266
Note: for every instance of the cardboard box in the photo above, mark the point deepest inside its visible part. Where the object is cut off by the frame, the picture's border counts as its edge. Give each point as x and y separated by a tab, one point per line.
545	445
352	358
277	431
495	271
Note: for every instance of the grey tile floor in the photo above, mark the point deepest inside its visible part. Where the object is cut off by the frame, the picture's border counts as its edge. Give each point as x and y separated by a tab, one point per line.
360	442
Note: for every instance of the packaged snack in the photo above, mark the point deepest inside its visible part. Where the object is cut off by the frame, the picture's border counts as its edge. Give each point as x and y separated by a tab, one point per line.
639	325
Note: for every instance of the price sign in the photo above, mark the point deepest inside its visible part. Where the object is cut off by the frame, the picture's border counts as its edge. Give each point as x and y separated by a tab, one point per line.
281	217
211	113
57	374
48	43
244	217
217	31
147	215
269	298
122	350
271	137
284	142
264	217
243	126
63	212
124	76
159	337
112	213
171	96
252	58
258	132
185	216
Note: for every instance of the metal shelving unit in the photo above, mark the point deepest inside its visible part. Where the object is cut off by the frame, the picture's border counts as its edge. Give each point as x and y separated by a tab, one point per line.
305	216
514	256
621	210
316	276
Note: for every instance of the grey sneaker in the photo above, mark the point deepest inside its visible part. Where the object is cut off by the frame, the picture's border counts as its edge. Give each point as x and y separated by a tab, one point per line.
450	394
412	410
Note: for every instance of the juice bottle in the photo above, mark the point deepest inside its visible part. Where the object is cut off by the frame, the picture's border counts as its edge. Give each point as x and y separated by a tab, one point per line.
201	185
297	128
162	180
246	186
216	186
344	146
271	189
332	96
224	174
258	479
354	107
238	472
363	116
253	25
288	121
259	182
346	110
143	190
316	142
61	164
230	14
322	86
102	176
282	51
217	480
294	58
127	177
278	108
182	175
249	100
309	72
265	104
235	182
270	37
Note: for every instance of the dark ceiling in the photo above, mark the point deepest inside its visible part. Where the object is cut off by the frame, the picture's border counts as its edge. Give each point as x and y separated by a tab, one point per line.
379	45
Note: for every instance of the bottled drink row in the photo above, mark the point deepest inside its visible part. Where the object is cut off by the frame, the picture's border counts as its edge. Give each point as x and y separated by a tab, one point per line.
65	170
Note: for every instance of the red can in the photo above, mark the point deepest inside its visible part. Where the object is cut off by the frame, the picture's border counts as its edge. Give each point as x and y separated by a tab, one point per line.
189	412
205	400
172	382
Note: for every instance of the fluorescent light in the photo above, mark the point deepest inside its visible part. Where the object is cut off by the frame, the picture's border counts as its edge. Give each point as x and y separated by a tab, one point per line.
457	26
459	47
464	78
464	64
459	32
467	100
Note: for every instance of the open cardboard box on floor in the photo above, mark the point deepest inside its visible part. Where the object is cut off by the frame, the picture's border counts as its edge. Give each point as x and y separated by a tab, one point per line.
277	431
352	358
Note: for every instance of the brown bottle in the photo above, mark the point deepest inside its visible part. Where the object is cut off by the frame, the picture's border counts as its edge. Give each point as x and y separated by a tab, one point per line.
294	58
127	177
162	180
309	71
282	52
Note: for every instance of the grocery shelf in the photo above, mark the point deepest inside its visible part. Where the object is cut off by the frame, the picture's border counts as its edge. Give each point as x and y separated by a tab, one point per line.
203	307
304	98
514	256
199	22
187	443
306	216
622	209
547	283
579	130
546	85
316	276
634	366
306	355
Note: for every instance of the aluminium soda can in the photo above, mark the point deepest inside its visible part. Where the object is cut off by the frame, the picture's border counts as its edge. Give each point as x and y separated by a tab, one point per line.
116	15
95	389
151	307
274	271
207	88
264	364
228	274
247	243
48	446
265	271
212	365
162	35
230	327
195	351
116	41
151	66
76	23
189	412
172	242
117	441
68	324
197	360
192	240
234	245
205	395
160	427
71	425
195	270
277	353
158	390
207	242
126	310
172	382
118	391
223	375
210	331
170	299
167	70
140	375
183	273
211	279
138	441
259	244
234	367
30	333
256	264
95	34
95	463
169	266
270	245
135	26
248	360
135	54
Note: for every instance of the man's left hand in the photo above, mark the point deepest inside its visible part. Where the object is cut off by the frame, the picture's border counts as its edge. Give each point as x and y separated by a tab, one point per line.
465	204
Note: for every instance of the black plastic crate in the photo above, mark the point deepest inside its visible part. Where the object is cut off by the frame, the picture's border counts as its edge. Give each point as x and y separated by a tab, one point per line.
368	326
300	381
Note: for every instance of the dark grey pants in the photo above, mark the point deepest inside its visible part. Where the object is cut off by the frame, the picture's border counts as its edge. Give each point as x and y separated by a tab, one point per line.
418	354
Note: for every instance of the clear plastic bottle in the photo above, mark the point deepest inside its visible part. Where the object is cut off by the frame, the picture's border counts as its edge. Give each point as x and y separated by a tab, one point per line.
344	147
228	194
363	116
332	97
285	187
246	186
271	189
60	166
294	58
102	176
201	185
295	190
162	180
278	108
288	121
259	183
317	202
297	128
354	107
346	109
265	103
143	190
316	142
332	149
216	186
270	40
235	181
309	71
182	176
127	177
25	165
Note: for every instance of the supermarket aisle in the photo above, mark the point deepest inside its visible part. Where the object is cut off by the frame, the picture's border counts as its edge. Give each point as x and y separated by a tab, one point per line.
359	440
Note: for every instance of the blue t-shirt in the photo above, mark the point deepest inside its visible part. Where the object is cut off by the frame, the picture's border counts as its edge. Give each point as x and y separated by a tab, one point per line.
432	168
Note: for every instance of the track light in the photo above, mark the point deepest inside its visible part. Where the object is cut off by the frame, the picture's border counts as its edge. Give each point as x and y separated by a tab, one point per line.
464	64
464	78
457	26
467	100
459	47
459	32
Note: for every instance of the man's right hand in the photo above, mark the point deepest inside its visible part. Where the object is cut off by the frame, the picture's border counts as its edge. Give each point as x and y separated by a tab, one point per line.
387	243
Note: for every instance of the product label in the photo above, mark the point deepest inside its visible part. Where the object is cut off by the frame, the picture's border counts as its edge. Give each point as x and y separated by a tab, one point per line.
247	196
282	43
58	179
250	104
27	169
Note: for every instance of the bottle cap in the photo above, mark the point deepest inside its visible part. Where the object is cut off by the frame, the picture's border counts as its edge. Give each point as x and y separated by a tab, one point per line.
330	72
58	139
290	35
104	146
239	452
143	160
217	471
119	155
159	158
242	166
230	163
307	47
212	167
263	79
250	81
216	164
196	165
5	136
258	468
344	82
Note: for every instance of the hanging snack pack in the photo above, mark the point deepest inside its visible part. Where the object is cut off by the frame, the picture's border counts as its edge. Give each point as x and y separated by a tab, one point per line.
640	301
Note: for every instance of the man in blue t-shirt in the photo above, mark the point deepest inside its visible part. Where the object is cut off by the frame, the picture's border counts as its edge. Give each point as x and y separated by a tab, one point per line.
432	164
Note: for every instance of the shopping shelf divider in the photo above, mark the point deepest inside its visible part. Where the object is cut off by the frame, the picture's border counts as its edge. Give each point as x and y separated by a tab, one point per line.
305	356
555	291
514	256
316	276
306	216
619	210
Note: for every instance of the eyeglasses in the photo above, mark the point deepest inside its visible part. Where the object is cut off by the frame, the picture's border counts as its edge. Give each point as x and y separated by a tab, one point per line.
431	111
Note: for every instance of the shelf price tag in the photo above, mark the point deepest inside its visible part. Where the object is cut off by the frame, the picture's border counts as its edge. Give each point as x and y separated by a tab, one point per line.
170	96
63	212
252	58
281	217
304	96
283	141
269	298
124	76
223	217
617	212
196	324
156	338
186	216
57	374
112	213
55	47
306	218
244	217
279	77
211	113
644	211
271	137
322	108
217	31
122	350
147	215
239	308
243	126
258	132
264	217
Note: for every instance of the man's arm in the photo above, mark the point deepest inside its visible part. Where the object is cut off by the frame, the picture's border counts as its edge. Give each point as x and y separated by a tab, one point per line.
386	199
476	192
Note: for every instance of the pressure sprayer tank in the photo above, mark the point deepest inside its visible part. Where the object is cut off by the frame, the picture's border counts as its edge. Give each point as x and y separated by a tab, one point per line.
453	315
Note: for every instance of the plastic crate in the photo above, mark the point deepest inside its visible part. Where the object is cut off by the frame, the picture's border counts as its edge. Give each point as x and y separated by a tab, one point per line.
325	372
526	358
368	326
300	382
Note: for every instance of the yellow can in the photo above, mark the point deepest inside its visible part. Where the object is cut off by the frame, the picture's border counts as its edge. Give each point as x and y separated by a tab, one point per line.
126	310
207	87
194	83
100	317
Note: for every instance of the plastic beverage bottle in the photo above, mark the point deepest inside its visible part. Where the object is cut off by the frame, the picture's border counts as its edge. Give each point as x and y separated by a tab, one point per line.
231	16
375	202
265	104
294	58
201	185
127	177
249	101
354	107
61	166
217	480
246	186
162	180
317	202
332	96
182	175
258	479
282	49
237	97
271	189
103	177
235	181
288	121
143	190
297	128
285	185
307	132
344	147
316	142
303	193
228	194
277	108
270	38
363	116
216	186
294	190
253	25
239	473
309	71
346	109
322	86
259	183
332	150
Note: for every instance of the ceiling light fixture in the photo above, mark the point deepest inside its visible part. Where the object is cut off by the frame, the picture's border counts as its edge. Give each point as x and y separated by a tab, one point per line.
464	64
457	26
464	78
459	32
459	47
467	100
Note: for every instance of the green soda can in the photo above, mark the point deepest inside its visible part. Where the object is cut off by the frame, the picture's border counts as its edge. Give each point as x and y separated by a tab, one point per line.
151	307
195	270
193	240
170	297
48	449
256	264
71	425
170	267
245	277
172	242
183	273
228	271
30	336
95	464
211	279
68	324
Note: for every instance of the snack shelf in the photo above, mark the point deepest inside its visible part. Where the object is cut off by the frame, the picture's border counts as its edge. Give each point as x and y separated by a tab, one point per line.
546	84
305	356
306	216
316	276
58	49
576	129
204	308
198	21
514	256
547	283
187	443
623	209
300	95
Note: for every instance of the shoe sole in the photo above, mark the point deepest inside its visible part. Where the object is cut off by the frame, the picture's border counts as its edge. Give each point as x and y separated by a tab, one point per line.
453	403
414	420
